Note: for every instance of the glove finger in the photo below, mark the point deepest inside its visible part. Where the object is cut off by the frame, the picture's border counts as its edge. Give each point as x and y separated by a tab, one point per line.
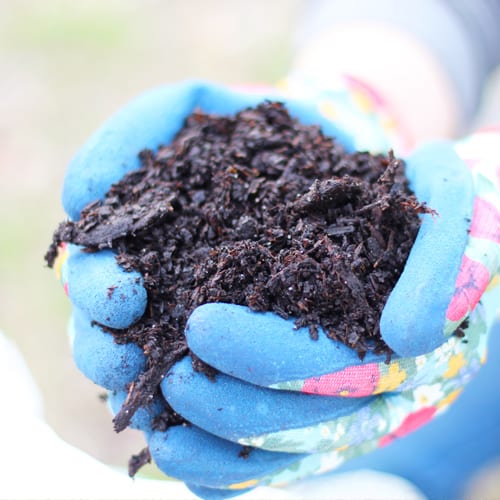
266	350
150	120
263	348
190	454
403	374
103	290
233	409
215	468
108	364
414	317
298	423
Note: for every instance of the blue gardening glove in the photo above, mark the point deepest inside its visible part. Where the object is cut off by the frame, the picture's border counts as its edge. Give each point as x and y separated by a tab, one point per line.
299	433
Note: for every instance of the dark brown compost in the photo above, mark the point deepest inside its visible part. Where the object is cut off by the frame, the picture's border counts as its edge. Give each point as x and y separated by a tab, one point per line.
260	210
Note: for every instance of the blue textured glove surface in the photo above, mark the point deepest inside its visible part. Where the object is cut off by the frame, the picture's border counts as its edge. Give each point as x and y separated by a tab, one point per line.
262	397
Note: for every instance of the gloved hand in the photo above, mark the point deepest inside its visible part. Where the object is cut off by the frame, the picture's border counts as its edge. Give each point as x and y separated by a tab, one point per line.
386	400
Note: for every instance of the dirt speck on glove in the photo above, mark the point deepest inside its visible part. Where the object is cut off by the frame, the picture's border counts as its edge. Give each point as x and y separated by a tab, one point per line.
259	210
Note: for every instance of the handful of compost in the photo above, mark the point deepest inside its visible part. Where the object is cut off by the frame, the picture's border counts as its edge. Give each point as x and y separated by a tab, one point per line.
209	258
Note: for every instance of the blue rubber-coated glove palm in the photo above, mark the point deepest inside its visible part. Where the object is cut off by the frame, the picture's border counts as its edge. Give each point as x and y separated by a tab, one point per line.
414	324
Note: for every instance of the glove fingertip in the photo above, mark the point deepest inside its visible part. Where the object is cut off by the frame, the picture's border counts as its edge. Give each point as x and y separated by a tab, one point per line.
263	348
191	454
104	291
101	359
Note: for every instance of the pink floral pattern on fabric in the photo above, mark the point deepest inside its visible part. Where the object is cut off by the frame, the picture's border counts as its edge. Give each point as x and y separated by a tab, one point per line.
486	221
354	381
411	423
472	281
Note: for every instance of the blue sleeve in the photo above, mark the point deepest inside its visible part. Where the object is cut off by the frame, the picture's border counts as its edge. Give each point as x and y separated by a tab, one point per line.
464	35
